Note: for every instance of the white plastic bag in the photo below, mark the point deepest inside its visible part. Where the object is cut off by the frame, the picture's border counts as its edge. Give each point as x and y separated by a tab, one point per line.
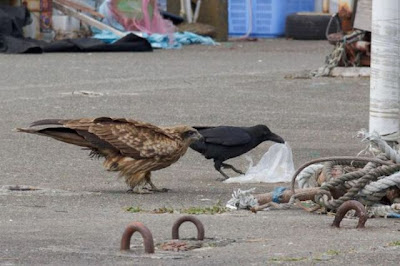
275	166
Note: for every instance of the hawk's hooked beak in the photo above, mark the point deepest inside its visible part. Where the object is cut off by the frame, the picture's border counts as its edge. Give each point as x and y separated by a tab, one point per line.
198	137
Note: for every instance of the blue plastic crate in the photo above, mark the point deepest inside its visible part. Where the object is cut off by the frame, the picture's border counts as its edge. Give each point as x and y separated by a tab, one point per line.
293	6
268	20
238	17
267	16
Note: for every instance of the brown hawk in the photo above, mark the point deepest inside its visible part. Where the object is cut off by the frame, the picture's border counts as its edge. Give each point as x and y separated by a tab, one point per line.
133	148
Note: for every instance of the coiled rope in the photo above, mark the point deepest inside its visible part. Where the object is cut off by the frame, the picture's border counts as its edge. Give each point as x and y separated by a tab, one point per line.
368	185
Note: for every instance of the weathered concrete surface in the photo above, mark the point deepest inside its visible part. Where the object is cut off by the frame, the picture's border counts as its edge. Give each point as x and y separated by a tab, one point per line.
79	217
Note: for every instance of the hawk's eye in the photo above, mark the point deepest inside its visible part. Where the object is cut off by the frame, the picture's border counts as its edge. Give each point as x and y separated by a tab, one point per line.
190	133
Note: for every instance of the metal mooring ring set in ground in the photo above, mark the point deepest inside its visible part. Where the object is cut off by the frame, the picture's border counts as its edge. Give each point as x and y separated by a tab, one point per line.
351	205
148	237
194	220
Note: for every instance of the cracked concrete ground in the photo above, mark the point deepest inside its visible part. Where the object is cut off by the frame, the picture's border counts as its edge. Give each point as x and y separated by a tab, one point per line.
79	214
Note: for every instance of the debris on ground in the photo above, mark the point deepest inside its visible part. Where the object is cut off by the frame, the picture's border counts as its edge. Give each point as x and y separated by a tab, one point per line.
198	28
178	245
373	181
88	93
275	166
78	27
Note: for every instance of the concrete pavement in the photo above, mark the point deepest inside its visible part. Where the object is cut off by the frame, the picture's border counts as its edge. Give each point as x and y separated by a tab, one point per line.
79	214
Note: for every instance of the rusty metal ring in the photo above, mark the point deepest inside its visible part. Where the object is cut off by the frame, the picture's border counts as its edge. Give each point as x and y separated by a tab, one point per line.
351	205
144	232
194	220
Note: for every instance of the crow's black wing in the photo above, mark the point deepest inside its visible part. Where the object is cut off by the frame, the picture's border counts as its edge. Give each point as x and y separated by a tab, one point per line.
224	135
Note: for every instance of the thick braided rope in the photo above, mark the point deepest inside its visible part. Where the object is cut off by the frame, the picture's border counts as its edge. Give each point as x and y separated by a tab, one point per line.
379	210
341	183
307	177
384	147
368	167
327	170
371	165
335	182
343	158
375	191
328	166
324	197
326	201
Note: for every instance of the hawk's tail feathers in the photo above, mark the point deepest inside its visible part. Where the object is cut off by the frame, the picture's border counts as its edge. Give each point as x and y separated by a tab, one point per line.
66	135
48	122
26	130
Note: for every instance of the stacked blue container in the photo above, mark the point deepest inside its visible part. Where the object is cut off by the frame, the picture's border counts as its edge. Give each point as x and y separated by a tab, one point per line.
262	18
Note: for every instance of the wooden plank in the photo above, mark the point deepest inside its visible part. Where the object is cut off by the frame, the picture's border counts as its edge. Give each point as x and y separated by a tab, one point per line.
81	7
215	13
212	12
363	18
86	19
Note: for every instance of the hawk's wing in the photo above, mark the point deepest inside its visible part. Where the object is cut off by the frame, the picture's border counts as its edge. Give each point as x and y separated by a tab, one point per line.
132	138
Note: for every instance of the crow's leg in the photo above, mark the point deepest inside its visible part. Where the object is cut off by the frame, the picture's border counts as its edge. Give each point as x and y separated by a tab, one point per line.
217	165
229	166
153	187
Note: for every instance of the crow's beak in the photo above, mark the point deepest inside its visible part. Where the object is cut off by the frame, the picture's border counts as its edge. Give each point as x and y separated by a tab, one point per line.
276	138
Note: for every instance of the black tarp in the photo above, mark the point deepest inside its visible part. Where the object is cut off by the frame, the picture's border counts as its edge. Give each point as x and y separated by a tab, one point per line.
12	19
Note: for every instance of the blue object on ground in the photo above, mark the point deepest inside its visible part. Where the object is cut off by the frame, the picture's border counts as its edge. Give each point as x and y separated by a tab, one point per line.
393	215
105	35
277	193
156	40
162	40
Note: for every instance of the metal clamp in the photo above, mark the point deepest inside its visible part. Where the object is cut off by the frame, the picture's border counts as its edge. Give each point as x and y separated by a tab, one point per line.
194	220
144	232
351	205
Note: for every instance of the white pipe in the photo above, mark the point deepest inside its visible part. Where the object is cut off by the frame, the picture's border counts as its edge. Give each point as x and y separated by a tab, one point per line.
189	12
197	11
182	10
385	67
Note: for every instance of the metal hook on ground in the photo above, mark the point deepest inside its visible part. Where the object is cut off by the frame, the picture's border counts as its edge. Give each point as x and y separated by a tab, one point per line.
351	205
144	232
194	220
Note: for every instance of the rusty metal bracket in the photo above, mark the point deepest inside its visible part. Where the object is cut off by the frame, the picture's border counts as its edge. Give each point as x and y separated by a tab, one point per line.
194	220
145	233
351	205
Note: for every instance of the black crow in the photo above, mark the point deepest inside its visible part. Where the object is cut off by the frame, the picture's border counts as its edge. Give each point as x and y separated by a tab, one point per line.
224	142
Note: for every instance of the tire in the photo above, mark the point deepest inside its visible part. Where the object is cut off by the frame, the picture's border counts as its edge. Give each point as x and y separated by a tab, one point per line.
309	26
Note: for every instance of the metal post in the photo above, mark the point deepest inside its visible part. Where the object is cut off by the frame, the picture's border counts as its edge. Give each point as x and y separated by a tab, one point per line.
385	67
325	6
346	9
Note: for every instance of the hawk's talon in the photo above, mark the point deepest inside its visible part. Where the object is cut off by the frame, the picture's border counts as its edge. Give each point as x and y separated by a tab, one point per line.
141	190
155	189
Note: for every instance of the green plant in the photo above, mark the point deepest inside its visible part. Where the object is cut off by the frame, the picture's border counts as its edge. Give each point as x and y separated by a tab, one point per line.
133	209
332	252
287	259
215	209
394	243
163	210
